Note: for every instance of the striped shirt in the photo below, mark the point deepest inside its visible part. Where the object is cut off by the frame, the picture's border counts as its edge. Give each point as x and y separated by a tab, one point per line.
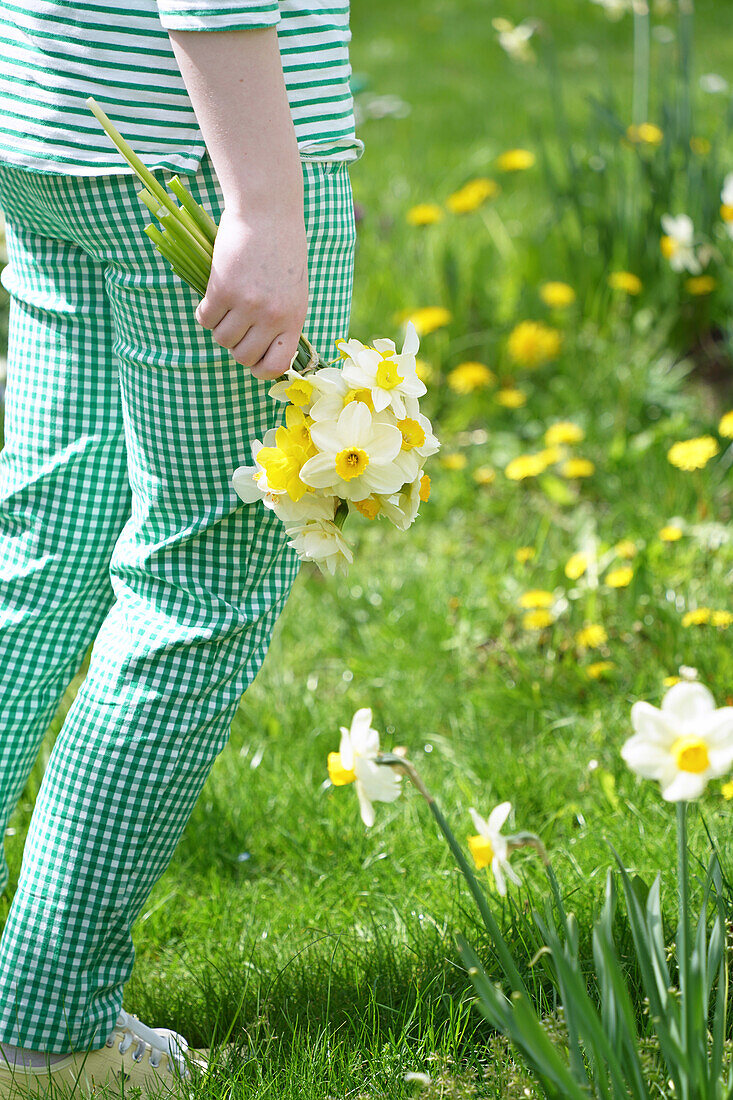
55	53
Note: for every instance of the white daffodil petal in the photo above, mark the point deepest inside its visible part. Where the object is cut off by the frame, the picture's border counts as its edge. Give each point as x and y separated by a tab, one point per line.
684	787
644	757
480	823
244	484
499	877
688	701
411	345
345	750
319	472
367	810
648	721
498	816
380	782
717	728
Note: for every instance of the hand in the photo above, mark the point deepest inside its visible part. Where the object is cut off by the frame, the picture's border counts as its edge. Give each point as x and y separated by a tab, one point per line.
257	295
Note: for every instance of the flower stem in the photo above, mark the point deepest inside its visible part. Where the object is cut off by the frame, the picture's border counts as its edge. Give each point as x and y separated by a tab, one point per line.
682	946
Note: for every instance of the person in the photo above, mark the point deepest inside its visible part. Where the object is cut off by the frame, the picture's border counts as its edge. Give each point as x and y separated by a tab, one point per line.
129	404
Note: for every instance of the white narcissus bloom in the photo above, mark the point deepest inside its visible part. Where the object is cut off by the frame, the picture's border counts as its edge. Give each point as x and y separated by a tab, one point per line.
321	541
490	848
390	377
402	508
515	40
355	763
250	482
726	196
683	744
678	243
297	389
357	455
310	508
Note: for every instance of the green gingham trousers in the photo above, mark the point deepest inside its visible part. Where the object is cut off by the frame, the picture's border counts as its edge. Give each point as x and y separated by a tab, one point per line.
119	526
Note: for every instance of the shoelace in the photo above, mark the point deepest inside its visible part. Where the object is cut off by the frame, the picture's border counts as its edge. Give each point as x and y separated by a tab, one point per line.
161	1040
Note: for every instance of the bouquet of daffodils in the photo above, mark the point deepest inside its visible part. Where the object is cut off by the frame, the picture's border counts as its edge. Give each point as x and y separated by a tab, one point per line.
353	435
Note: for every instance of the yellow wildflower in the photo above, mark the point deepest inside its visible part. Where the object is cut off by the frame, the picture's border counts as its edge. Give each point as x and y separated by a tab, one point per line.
425	213
625	549
423	370
536	597
700	284
454	461
646	134
557	295
525	466
537	620
467	377
721	618
524	553
515	160
599	668
591	636
484	475
727	790
725	427
564	431
626	281
576	566
670	681
577	467
620	578
531	343
693	454
700	145
511	398
428	318
472	195
699	616
424	492
552	455
670	533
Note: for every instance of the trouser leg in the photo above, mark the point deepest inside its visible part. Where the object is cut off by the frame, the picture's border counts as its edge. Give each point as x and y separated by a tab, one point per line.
64	495
199	580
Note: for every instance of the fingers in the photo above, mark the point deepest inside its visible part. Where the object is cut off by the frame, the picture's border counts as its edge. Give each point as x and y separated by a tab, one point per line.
251	345
278	357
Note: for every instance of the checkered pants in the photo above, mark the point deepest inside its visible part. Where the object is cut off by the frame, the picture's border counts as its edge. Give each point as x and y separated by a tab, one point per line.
119	525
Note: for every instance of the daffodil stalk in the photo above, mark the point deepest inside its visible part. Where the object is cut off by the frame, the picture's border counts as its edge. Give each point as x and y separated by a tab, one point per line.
188	232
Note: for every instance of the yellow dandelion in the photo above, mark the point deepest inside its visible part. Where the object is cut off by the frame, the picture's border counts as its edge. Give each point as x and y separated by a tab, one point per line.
510	398
620	578
453	461
537	620
721	618
484	475
645	134
599	669
591	636
472	195
564	431
699	616
625	549
525	466
726	212
552	455
423	370
625	281
424	492
670	681
577	467
425	213
428	318
557	295
467	377
515	160
727	790
531	343
699	285
693	454
524	554
670	533
725	427
576	566
536	597
700	145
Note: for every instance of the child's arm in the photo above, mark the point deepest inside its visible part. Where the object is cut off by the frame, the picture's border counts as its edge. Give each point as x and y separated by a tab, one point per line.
257	295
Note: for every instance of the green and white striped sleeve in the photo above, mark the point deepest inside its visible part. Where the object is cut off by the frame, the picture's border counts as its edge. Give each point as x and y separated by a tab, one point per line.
217	15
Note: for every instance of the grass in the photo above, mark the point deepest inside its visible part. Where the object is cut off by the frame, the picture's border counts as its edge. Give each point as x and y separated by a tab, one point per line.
325	952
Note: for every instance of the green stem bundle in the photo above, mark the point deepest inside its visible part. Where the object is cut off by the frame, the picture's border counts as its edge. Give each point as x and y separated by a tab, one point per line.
188	232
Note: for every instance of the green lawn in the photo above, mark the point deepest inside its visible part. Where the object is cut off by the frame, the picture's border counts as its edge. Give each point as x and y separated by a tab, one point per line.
323	950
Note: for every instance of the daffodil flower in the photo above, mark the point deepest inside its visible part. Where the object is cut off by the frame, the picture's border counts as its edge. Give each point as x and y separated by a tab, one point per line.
355	762
683	744
388	375
490	849
357	455
678	243
321	541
